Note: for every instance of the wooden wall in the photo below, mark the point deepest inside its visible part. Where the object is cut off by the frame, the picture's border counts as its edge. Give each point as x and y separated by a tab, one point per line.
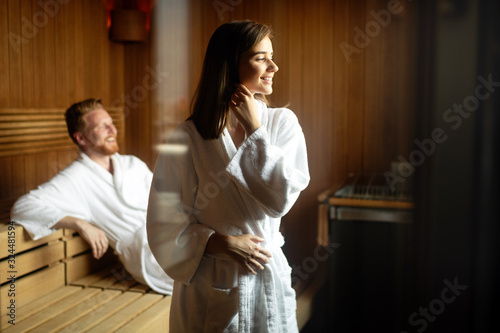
357	114
50	58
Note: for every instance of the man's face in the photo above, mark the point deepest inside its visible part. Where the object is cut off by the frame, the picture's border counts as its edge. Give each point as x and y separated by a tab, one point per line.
99	136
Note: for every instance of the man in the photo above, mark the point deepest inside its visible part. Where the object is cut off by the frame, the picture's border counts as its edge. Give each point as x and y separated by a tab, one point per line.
102	194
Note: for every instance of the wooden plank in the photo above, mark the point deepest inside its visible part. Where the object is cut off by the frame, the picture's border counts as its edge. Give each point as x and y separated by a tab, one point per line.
123	284
32	260
121	318
323	225
102	313
118	278
5	206
23	240
75	245
324	120
28	60
47	51
29	117
371	203
4	54
35	150
40	61
154	319
55	309
15	49
87	280
57	142
69	232
34	125
310	119
62	90
6	183
30	114
377	140
356	92
105	282
18	179
30	165
80	67
77	311
33	286
79	266
17	130
31	111
10	142
40	303
139	288
82	265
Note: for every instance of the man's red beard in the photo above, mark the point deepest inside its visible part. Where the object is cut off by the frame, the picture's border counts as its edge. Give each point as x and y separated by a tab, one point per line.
105	149
109	150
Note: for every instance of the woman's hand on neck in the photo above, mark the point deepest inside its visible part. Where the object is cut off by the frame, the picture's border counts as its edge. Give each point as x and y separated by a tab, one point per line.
244	108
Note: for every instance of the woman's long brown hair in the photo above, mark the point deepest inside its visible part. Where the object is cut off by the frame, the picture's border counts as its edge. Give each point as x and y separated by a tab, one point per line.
209	108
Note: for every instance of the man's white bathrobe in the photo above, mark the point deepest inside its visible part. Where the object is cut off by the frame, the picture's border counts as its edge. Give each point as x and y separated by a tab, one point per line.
116	203
206	186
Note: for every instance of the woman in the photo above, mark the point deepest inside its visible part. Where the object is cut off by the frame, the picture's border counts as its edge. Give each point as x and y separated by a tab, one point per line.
220	188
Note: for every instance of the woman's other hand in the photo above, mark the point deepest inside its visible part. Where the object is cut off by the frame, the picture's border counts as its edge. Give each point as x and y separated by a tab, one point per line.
244	249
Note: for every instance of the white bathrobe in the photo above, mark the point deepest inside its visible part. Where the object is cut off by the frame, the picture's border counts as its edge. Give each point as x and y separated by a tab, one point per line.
206	186
116	203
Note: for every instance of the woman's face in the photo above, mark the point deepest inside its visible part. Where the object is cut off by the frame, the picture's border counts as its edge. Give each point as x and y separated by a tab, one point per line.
257	68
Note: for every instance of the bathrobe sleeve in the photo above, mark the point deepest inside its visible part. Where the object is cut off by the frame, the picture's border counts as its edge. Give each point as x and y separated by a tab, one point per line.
175	237
40	209
271	164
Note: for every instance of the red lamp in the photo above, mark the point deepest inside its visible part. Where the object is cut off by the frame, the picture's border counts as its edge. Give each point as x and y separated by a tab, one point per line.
130	24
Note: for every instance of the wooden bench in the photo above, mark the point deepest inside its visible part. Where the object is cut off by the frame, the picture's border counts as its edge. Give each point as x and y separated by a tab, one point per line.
54	285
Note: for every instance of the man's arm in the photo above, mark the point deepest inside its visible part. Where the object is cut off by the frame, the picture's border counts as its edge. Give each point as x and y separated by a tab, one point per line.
94	236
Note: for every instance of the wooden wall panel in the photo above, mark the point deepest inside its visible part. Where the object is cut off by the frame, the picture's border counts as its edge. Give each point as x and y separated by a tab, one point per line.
52	58
15	67
357	115
4	57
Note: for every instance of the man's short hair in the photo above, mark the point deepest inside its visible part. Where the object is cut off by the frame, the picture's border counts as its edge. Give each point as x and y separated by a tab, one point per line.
74	115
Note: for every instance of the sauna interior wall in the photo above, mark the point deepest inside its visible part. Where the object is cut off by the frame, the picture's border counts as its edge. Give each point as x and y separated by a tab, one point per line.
357	111
49	60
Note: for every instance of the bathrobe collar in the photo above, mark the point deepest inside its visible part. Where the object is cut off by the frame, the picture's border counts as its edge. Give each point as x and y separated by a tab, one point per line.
99	170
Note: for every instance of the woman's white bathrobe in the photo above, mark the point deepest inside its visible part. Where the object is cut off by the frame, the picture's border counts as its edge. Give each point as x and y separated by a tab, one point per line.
116	203
206	186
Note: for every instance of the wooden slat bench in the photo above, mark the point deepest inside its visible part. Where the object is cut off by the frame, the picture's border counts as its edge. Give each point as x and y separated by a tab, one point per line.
59	287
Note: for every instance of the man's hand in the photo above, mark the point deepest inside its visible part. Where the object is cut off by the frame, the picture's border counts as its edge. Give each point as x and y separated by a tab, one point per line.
94	236
244	249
